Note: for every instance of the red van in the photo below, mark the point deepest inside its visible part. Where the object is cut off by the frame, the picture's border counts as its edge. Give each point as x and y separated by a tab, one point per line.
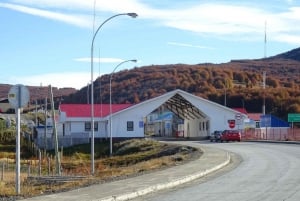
231	135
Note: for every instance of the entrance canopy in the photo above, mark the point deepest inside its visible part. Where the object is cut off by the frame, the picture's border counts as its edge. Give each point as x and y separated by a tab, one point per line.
183	108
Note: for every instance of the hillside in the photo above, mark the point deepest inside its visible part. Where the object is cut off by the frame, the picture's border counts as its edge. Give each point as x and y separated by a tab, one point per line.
241	80
293	55
38	93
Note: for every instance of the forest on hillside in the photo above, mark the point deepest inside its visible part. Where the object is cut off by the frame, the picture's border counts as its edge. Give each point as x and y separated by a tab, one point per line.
240	81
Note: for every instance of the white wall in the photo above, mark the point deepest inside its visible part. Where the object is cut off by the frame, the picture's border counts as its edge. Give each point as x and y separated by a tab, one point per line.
137	114
217	114
119	125
192	128
77	125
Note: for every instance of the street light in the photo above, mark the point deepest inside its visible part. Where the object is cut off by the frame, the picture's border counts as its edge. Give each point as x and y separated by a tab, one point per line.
110	105
134	15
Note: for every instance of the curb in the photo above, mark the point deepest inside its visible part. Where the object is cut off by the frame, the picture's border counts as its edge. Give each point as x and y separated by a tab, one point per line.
274	141
158	187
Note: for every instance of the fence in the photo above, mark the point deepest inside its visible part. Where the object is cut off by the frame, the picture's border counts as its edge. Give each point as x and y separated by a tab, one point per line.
41	166
63	141
278	134
36	172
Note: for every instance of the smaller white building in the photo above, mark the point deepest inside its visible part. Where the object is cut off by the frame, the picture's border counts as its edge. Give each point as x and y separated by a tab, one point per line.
76	119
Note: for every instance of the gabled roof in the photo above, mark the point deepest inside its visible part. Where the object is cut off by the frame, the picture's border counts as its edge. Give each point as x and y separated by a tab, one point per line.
84	110
182	103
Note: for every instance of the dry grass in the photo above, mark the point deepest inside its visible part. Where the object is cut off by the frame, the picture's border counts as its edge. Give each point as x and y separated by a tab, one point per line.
7	185
132	157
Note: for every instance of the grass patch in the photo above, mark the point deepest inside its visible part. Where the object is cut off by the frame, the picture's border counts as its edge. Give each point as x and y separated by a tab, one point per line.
131	157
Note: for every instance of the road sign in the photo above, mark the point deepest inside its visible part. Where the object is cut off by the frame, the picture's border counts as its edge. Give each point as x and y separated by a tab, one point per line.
294	117
18	96
238	116
231	123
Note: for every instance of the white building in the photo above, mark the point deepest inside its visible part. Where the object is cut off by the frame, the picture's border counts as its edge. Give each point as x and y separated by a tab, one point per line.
201	117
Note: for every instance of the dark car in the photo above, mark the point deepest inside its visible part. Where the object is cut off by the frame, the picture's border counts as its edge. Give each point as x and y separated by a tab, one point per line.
231	135
215	136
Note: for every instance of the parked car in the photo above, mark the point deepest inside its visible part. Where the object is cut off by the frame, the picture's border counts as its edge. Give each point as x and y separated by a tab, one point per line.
230	135
215	136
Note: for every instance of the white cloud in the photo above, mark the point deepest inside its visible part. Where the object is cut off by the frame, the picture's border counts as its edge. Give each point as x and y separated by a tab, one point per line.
188	45
66	4
87	5
288	38
290	1
231	20
64	79
77	20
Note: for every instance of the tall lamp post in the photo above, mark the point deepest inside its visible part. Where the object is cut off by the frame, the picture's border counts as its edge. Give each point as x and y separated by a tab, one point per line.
134	15
110	102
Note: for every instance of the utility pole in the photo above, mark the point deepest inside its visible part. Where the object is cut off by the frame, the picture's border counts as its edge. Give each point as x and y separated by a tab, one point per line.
57	160
225	95
264	73
45	134
264	93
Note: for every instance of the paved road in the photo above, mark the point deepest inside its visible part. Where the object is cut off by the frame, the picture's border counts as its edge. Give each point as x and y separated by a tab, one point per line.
211	160
269	172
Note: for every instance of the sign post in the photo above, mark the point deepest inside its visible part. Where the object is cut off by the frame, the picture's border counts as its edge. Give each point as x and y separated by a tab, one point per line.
18	97
294	117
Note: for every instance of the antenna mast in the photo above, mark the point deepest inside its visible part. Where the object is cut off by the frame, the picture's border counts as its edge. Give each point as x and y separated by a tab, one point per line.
264	73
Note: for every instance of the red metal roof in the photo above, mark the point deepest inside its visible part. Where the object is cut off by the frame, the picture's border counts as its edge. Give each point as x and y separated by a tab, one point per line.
254	116
241	110
84	110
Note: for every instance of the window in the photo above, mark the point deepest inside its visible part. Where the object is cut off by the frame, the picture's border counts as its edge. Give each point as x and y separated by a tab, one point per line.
87	126
129	125
257	124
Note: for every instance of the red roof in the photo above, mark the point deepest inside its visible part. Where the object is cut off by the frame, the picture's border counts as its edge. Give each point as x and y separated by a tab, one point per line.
84	110
241	110
254	116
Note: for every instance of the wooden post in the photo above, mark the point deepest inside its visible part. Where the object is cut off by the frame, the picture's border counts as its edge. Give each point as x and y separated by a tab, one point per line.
40	162
49	165
57	160
61	153
29	170
2	172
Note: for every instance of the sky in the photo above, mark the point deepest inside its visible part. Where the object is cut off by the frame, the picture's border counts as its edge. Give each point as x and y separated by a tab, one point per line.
49	42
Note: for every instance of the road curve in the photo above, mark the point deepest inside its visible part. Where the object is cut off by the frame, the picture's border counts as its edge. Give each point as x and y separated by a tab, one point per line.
269	172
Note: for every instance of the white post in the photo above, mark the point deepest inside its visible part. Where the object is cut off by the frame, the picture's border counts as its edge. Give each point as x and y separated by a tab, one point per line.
18	189
45	129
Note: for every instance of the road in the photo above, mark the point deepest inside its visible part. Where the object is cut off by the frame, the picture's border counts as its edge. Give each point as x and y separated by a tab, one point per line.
263	171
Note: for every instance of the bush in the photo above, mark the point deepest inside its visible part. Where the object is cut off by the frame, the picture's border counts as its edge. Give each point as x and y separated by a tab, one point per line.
7	136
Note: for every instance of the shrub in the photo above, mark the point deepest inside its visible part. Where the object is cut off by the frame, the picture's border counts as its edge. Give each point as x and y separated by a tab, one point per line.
7	136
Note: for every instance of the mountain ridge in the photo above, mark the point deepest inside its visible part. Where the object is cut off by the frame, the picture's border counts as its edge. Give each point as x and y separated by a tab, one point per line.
241	79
